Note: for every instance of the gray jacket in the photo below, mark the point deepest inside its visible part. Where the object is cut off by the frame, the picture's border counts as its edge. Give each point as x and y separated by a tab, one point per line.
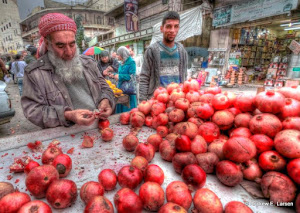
46	98
149	77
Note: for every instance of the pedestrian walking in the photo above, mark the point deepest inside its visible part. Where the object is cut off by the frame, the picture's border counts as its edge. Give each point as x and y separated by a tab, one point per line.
17	68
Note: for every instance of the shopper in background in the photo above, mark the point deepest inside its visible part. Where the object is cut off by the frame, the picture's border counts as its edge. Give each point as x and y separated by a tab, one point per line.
32	54
108	66
17	68
126	69
164	61
3	70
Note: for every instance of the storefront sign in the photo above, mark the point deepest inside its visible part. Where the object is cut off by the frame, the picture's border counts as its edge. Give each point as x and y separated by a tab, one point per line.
131	15
251	10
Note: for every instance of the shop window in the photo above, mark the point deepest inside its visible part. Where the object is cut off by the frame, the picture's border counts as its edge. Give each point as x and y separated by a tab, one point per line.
9	24
4	27
111	21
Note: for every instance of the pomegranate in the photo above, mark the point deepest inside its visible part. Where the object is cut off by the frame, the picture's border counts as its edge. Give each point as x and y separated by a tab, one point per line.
194	176
297	203
198	145
231	97
61	193
186	128
163	97
293	170
206	201
291	108
13	202
103	124
35	206
237	207
262	142
223	137
89	190
154	173
145	150
182	104
137	119
192	96
239	149
229	173
140	163
290	92
291	123
6	188
220	102
180	160
148	121
130	142
130	177
167	150
133	110
241	131
271	161
162	131
155	140
152	196
269	101
245	102
207	98
32	164
63	164
213	90
108	179
172	136
176	115
178	192
176	94
124	118
145	107
171	87
207	161
234	111
170	207
265	123
204	111
39	179
251	170
242	120
191	85
99	204
183	143
159	90
196	121
209	131
127	201
287	143
278	187
107	134
157	108
217	147
49	154
162	119
224	119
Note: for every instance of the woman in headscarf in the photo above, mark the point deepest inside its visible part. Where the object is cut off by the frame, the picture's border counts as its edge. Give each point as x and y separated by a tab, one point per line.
108	66
126	69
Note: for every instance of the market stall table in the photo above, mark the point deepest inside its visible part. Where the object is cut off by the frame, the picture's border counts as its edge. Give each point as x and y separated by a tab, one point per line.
88	162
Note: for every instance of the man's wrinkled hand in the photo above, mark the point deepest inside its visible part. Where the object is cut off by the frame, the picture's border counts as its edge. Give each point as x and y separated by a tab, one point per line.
105	109
80	116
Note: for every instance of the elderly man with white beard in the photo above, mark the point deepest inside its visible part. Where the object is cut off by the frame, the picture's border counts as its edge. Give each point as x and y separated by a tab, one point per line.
62	87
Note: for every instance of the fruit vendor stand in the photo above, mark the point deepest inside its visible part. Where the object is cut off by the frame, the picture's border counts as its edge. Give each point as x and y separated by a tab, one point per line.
88	162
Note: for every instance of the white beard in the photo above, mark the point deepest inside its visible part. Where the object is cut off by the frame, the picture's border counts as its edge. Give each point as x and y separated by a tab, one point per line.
68	71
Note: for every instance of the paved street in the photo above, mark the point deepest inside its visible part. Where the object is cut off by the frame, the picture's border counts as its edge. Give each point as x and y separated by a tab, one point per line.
19	124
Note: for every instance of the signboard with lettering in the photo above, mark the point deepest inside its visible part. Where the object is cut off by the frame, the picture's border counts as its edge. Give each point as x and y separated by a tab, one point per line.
131	15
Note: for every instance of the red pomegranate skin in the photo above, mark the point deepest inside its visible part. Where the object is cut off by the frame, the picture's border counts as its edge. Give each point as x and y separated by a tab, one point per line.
162	119
99	204
245	102
224	119
89	190
239	149
6	188
155	140
154	173
229	173
290	92
196	121
183	143
217	147
13	202
265	123
167	150
231	97
291	123
145	150
194	176
182	104
206	201
171	207
186	128
209	131
176	115
198	145
241	131
262	142
251	170
137	119
162	131
157	108
145	107
278	187
271	161
107	134
204	110
32	164
220	102
290	109
293	170
140	163
180	160
124	118
61	193
130	177
237	207
207	161
127	201
49	154
213	90
242	120
103	124
178	192
269	101
152	196
287	143
35	206
206	98
63	164
148	121
39	179
235	111
108	179
130	142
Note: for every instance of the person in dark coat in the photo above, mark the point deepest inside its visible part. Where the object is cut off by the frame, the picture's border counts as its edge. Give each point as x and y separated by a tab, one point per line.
108	66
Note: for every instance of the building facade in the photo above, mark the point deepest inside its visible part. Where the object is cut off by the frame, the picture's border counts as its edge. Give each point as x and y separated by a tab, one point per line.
10	32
